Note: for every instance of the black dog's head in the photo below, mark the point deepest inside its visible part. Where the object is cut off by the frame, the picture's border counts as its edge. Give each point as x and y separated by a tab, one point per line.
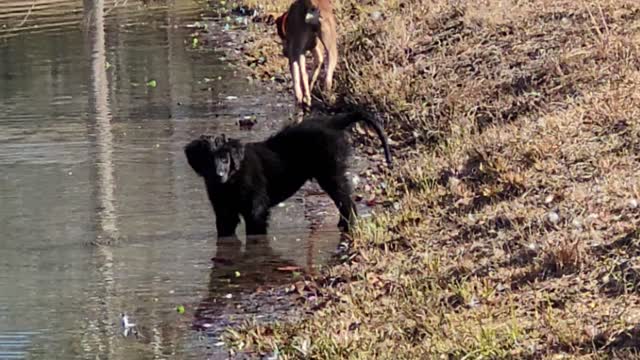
227	159
217	158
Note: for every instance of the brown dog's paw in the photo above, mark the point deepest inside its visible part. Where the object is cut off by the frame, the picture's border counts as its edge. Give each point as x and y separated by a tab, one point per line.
296	117
329	99
306	107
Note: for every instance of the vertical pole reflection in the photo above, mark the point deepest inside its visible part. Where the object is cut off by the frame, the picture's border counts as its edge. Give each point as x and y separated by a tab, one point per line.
100	335
99	105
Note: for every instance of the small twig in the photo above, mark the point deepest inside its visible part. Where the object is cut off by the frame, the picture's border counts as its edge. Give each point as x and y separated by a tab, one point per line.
115	5
33	5
593	20
604	21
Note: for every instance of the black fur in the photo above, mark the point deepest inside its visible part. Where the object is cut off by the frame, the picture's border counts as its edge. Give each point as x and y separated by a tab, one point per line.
248	179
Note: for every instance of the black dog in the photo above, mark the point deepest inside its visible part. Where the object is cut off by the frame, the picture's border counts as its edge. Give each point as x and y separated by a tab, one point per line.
249	179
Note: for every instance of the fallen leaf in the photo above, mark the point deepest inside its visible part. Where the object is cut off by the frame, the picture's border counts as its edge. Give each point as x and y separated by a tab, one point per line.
371	201
289	268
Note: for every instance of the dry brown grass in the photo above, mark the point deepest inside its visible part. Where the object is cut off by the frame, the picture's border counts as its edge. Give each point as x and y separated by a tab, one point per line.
517	231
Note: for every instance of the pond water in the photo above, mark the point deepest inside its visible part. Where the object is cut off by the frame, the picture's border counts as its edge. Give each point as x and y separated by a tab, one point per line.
97	101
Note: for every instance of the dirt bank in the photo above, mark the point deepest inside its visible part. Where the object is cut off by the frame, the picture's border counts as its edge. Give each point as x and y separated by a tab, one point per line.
515	232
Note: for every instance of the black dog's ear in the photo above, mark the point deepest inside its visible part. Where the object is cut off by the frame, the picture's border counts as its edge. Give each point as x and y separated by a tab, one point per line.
197	152
218	141
236	151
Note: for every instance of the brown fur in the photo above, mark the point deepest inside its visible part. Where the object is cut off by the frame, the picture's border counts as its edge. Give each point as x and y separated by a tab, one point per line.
300	28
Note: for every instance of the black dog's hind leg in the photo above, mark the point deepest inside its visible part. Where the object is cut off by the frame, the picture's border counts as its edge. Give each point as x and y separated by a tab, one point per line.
340	192
256	225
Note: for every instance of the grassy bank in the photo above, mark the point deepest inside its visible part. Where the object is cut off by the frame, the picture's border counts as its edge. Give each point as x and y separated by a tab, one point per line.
516	234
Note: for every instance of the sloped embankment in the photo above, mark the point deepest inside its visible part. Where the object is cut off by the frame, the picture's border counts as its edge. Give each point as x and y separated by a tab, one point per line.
516	233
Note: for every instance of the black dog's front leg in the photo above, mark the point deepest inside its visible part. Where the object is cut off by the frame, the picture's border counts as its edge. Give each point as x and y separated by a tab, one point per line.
256	226
258	217
226	225
227	219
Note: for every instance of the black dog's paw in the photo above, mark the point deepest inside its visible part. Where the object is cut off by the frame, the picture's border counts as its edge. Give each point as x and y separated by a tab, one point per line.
343	225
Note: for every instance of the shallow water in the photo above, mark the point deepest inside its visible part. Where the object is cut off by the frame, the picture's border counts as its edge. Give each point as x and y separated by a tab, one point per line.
91	152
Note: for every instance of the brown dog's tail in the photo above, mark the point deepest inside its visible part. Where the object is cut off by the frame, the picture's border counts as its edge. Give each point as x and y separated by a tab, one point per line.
344	121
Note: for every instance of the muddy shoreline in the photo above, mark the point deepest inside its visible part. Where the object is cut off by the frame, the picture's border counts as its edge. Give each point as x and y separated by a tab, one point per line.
286	299
516	230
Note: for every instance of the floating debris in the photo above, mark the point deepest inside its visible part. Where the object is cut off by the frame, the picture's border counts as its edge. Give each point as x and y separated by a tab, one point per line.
288	268
553	217
247	122
127	327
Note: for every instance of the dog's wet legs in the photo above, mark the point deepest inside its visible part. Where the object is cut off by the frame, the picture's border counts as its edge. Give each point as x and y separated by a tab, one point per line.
304	77
257	222
328	39
318	54
255	227
226	223
295	76
338	189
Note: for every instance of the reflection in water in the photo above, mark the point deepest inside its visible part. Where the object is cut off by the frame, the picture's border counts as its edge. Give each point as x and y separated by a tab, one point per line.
99	105
237	279
106	214
235	272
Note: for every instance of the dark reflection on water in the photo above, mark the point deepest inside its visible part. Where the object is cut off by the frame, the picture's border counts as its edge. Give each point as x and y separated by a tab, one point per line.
89	153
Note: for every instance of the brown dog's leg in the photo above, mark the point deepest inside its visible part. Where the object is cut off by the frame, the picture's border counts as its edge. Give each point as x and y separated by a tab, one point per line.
318	55
305	84
328	37
295	76
306	93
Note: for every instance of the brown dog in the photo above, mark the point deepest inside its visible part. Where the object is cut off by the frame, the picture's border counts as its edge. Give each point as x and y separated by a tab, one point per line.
300	28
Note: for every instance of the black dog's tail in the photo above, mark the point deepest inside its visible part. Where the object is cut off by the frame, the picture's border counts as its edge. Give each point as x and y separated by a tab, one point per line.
344	121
